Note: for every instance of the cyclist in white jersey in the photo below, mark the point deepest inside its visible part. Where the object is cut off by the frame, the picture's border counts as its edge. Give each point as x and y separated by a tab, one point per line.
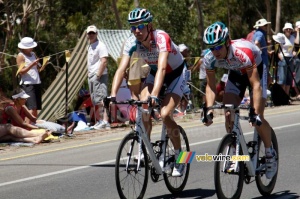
167	67
244	62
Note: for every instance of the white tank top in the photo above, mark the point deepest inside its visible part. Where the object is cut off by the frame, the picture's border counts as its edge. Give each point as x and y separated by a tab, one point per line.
32	76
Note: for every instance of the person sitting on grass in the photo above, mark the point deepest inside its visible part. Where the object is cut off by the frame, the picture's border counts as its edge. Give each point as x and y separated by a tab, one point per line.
16	112
12	133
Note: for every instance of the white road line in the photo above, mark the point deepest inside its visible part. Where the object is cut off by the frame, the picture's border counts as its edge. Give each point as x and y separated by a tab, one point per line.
111	161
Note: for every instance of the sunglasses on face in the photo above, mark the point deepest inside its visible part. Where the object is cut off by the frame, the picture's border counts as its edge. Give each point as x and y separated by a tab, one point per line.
139	27
91	33
219	47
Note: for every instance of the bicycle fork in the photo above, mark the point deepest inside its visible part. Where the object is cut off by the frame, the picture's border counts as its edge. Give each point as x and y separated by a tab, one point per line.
240	142
143	138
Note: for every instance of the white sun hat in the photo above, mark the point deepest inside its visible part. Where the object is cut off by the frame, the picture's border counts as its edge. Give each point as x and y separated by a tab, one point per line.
260	23
22	95
182	47
27	43
287	26
279	38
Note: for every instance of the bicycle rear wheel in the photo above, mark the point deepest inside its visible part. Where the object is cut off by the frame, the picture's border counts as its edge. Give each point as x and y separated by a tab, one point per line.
228	184
265	186
131	182
176	184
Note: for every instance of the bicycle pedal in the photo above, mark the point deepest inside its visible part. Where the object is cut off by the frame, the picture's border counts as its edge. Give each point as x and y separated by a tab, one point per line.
252	143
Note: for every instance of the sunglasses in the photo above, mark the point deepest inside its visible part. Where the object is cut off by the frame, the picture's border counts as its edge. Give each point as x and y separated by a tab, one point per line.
219	47
91	33
140	27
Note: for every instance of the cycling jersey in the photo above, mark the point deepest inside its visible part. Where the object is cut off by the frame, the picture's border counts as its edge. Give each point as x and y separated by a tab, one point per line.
160	42
242	54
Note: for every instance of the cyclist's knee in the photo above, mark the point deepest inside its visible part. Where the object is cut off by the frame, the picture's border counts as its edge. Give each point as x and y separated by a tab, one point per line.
165	115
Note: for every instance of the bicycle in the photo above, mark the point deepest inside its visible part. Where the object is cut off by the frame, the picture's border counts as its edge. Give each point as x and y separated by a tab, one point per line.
130	167
234	143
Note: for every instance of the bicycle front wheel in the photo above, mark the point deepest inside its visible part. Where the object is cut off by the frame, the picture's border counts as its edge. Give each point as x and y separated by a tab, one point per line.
176	184
228	184
131	181
265	186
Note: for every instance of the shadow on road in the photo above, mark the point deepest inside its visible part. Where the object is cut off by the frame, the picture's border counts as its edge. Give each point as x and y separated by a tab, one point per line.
190	193
281	194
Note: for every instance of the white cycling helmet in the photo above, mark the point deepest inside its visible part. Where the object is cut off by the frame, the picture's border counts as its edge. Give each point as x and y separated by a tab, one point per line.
139	15
215	34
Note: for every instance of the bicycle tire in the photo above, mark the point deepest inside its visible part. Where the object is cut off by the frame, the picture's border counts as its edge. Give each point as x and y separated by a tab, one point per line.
176	184
219	175
266	189
125	180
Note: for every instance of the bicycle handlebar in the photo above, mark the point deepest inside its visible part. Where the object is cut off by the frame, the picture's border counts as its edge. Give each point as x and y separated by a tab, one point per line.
252	117
228	106
108	100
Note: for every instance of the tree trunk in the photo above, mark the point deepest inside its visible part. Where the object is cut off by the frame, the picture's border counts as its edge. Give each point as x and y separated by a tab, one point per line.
268	5
114	5
136	3
278	9
200	23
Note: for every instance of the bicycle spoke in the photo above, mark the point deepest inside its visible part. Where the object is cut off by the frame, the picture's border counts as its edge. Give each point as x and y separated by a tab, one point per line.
228	183
131	183
176	184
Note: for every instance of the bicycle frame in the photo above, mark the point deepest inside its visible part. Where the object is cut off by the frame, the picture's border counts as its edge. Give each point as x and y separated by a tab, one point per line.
240	141
143	138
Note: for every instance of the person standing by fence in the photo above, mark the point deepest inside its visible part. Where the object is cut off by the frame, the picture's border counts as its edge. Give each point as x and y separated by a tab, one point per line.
97	75
28	64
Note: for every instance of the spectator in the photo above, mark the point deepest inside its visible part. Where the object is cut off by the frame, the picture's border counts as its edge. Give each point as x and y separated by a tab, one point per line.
260	39
16	112
30	78
220	89
187	91
297	60
136	74
285	66
97	75
9	132
250	35
202	74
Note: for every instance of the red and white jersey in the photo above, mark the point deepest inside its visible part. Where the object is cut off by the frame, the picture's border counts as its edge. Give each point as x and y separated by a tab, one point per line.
242	54
160	42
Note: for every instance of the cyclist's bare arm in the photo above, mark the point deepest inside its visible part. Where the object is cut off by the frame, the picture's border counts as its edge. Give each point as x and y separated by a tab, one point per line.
210	91
119	75
254	80
160	74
